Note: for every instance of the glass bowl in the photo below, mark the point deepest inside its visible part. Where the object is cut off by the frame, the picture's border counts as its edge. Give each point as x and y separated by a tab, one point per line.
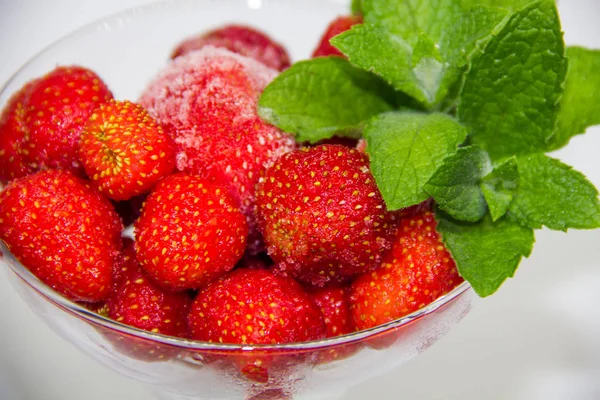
126	50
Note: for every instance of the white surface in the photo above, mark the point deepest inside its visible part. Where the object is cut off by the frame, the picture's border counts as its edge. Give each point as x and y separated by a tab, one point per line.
538	338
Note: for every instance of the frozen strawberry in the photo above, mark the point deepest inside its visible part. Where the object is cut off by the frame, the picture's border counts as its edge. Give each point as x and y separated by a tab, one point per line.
55	112
322	216
255	306
65	232
138	302
414	273
239	39
335	308
190	232
207	101
12	136
124	151
337	26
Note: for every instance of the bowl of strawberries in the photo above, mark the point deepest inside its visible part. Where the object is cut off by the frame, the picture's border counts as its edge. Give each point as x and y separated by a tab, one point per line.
198	210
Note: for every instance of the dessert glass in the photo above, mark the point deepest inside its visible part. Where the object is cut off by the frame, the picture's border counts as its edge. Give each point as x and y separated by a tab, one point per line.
126	50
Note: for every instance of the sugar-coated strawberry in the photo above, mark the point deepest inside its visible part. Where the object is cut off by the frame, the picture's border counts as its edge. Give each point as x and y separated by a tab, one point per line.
337	26
190	232
414	273
335	307
124	151
255	306
243	40
64	231
322	215
139	302
207	100
12	136
59	104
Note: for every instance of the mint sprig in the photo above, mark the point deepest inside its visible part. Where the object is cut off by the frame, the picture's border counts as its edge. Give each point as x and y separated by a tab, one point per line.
492	91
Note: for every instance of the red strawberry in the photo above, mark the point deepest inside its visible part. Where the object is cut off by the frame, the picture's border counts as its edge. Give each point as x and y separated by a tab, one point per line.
335	308
417	271
124	151
65	232
243	40
255	306
207	101
58	107
322	215
337	26
12	135
138	302
190	232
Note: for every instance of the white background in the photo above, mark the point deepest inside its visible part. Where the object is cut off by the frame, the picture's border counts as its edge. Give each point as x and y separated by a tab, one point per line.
538	338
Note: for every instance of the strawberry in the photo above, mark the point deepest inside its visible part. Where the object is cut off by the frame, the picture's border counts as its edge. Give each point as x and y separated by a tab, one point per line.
138	302
322	216
335	308
65	232
124	151
239	39
414	273
12	136
254	306
55	112
337	26
190	232
206	101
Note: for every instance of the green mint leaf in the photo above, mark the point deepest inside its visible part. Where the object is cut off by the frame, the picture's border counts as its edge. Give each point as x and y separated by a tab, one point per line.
323	97
507	4
406	149
408	19
472	29
419	47
554	195
469	30
510	96
356	7
580	105
486	252
374	49
455	186
499	186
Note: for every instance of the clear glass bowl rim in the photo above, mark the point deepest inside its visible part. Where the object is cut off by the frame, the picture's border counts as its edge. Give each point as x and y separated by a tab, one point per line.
83	313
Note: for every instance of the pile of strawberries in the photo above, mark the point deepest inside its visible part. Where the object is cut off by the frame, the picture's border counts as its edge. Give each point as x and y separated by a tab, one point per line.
244	236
